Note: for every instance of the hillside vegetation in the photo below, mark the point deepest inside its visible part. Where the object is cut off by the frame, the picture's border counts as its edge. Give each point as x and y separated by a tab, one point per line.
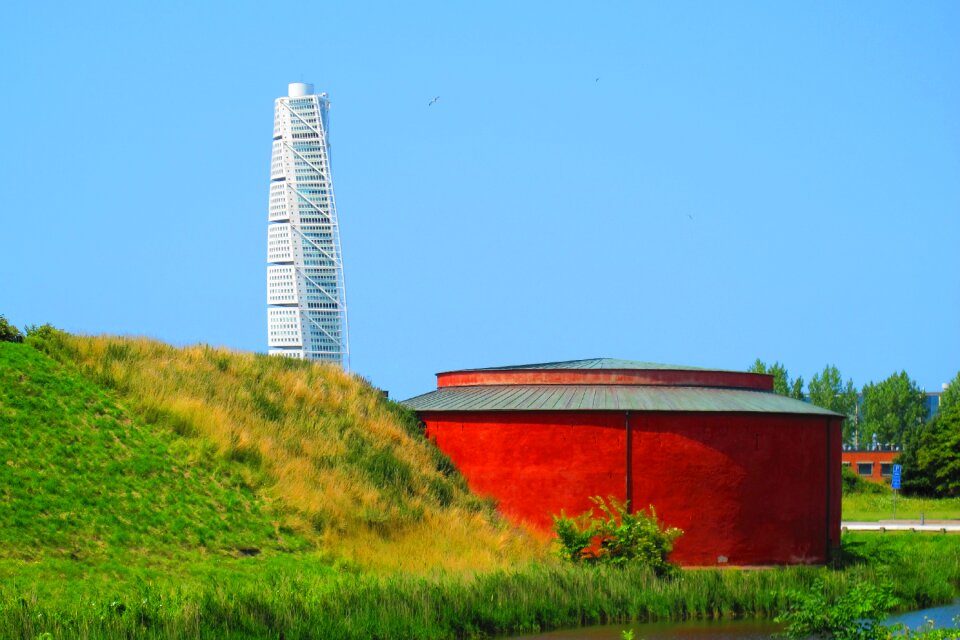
154	492
134	443
79	476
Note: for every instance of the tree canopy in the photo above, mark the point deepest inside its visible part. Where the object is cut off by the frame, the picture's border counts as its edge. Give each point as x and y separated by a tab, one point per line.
951	395
8	332
782	384
931	458
827	390
892	409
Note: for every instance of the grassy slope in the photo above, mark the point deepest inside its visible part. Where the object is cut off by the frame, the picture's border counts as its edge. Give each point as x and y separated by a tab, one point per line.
139	445
138	472
80	477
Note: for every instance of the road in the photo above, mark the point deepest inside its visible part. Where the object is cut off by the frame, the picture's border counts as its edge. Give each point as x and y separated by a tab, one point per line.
936	526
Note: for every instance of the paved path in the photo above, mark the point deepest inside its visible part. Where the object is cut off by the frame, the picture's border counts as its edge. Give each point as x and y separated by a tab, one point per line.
939	526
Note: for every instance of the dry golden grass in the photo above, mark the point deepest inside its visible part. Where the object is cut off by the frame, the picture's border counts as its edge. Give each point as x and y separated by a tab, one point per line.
447	541
342	466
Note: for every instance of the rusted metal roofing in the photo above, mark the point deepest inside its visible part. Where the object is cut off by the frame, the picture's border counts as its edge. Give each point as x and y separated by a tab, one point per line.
592	363
609	398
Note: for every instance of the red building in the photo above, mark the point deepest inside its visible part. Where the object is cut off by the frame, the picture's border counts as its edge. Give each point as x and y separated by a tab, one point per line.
750	476
875	465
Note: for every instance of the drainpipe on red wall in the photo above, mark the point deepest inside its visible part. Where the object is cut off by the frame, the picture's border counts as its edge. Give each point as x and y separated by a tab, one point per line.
829	500
629	474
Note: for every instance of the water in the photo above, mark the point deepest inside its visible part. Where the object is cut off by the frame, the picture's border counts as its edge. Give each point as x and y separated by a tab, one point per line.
727	629
943	617
697	629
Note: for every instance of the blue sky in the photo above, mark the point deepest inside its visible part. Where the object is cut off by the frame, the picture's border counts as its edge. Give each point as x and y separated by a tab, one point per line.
696	183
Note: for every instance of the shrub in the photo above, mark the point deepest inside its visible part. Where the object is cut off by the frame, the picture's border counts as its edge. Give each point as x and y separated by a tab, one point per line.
573	535
8	332
617	537
45	338
852	483
855	615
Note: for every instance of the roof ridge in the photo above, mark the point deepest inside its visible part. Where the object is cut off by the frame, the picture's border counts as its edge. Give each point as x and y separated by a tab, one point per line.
591	363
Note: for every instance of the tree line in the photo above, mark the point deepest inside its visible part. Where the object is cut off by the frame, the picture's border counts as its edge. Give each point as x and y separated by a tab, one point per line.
894	412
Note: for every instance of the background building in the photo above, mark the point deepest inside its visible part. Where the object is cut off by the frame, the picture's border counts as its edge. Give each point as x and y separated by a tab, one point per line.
875	465
751	477
931	403
306	298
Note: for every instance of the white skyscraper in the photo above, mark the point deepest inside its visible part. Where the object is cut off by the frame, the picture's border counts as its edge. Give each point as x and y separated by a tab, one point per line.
306	299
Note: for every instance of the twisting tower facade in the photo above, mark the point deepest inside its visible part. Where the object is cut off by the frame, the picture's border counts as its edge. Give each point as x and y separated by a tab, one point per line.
306	298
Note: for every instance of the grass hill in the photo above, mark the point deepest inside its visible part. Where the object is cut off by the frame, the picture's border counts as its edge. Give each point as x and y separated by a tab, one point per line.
80	476
148	491
114	443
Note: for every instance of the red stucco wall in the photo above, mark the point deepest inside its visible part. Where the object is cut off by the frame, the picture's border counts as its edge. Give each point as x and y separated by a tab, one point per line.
751	488
536	464
836	483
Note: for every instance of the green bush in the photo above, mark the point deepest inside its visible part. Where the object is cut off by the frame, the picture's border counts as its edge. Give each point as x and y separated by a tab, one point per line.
8	332
852	483
46	338
573	535
855	615
617	537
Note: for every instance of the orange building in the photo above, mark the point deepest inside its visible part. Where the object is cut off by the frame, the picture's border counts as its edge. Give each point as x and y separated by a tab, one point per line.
874	465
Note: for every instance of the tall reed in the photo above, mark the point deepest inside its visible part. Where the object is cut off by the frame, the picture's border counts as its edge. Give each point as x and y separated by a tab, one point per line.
305	604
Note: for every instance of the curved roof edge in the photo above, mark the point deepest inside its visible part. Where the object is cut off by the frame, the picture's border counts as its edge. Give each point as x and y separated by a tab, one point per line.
610	398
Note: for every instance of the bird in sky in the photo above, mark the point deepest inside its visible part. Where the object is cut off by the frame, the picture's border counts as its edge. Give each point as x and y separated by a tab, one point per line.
430	104
596	79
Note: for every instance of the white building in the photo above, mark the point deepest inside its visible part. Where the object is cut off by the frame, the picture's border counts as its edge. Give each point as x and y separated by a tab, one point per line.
306	299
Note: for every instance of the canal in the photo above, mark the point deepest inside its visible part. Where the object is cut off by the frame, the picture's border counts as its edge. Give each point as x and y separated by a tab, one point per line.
943	617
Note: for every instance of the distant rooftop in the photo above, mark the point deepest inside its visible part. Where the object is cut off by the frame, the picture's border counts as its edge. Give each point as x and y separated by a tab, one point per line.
299	89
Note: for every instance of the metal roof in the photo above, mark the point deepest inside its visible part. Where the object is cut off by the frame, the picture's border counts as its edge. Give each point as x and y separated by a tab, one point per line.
609	398
593	363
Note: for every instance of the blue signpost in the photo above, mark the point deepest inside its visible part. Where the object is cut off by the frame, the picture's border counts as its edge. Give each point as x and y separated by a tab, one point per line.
895	484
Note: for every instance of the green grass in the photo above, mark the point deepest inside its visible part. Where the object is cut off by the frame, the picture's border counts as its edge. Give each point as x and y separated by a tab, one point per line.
264	596
330	462
879	506
80	477
924	568
136	480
